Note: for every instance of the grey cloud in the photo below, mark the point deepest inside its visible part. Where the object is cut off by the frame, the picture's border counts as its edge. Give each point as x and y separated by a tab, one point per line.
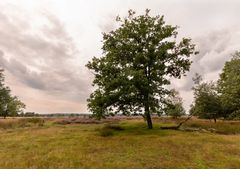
215	49
214	41
43	60
108	23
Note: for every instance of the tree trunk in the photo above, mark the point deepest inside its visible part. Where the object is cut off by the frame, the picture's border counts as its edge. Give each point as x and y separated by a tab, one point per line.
148	117
215	120
146	99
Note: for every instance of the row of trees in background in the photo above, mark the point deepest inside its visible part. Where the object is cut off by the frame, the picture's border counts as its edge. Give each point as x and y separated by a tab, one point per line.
219	99
9	105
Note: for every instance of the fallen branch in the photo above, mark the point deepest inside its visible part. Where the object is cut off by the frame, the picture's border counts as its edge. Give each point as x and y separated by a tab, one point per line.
178	126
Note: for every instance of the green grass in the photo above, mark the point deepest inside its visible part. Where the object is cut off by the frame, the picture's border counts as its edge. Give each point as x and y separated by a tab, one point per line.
130	145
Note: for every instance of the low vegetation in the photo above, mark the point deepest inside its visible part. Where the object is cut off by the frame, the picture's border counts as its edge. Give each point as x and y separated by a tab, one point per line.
20	123
120	144
221	127
108	129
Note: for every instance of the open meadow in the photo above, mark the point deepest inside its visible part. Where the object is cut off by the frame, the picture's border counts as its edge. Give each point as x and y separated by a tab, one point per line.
127	143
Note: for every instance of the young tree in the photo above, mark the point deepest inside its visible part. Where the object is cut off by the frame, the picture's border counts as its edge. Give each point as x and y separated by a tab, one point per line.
138	59
229	87
9	105
175	106
15	107
206	100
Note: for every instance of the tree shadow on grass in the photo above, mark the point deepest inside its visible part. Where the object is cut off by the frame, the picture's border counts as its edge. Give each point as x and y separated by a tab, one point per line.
132	128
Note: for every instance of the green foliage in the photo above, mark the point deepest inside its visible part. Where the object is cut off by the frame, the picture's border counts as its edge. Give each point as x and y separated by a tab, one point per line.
206	100
234	115
175	106
138	59
9	105
223	99
15	106
229	87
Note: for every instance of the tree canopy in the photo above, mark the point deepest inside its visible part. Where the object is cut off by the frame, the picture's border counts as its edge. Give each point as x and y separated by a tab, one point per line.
175	106
206	100
9	105
229	87
138	58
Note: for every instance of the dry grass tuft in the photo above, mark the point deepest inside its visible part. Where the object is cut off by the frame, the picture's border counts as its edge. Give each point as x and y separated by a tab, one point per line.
20	122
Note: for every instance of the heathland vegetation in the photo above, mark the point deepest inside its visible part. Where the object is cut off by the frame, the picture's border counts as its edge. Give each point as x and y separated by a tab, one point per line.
119	144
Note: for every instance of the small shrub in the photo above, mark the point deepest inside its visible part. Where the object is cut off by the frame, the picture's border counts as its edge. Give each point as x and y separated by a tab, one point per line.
113	127
108	130
34	120
104	132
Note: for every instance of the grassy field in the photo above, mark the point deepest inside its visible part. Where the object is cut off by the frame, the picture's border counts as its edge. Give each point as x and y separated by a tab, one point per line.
128	144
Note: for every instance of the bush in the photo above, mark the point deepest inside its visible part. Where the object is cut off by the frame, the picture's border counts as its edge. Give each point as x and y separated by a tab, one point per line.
32	121
234	116
113	127
108	129
106	132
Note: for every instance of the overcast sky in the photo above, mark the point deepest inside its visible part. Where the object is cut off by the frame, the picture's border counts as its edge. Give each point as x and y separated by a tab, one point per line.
44	44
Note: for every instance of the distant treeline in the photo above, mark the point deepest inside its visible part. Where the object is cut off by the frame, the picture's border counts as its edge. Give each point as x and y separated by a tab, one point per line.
33	114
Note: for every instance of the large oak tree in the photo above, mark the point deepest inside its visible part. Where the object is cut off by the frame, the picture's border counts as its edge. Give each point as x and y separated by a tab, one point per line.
138	59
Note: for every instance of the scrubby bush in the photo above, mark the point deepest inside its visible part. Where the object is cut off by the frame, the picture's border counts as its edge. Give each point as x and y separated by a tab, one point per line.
108	129
105	132
113	127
